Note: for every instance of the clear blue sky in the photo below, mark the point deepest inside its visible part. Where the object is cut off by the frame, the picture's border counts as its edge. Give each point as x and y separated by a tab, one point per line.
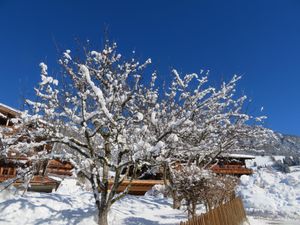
257	39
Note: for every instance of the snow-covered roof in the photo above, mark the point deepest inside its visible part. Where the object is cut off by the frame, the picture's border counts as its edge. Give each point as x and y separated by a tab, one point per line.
4	109
239	156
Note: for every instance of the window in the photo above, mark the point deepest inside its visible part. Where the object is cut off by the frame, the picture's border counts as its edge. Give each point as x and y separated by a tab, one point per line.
11	171
5	171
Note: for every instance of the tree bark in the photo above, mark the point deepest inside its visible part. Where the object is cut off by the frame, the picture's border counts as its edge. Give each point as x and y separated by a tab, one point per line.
194	208
105	201
102	216
169	184
176	200
188	205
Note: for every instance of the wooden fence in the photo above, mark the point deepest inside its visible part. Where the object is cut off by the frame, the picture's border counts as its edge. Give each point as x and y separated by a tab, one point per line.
230	213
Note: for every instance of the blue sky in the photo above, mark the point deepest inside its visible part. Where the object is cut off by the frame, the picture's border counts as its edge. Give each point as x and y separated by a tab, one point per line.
257	39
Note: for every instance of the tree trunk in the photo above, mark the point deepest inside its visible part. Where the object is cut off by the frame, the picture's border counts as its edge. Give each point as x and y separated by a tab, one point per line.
194	208
209	206
188	205
170	185
176	200
167	187
102	217
105	202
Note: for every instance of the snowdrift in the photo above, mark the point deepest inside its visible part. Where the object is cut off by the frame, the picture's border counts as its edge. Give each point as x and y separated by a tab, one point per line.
270	193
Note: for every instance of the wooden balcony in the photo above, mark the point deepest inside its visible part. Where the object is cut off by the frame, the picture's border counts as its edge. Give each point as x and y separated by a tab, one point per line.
232	170
37	183
6	177
59	168
61	172
138	187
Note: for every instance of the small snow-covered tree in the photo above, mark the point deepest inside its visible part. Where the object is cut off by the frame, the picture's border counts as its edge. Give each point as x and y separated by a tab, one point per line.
202	186
190	182
191	122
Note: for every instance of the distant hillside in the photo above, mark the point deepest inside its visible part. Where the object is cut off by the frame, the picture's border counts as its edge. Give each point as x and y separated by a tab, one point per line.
281	145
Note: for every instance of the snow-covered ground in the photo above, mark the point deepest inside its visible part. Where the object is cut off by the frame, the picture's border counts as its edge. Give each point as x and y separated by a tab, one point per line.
72	205
269	196
268	221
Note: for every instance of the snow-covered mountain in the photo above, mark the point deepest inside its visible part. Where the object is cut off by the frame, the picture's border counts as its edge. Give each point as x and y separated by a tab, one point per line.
281	144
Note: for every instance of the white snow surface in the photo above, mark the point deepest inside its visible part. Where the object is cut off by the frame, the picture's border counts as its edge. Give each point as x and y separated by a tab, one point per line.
271	194
262	221
263	161
73	205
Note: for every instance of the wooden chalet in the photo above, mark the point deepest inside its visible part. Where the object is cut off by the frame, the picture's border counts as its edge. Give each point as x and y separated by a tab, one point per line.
137	187
42	181
8	165
6	114
229	164
144	181
232	164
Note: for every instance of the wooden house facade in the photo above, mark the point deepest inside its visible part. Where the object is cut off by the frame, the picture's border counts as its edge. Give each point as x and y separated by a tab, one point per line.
232	164
41	180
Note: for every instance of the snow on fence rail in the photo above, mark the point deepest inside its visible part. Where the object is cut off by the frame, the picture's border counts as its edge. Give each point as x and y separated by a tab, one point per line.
230	213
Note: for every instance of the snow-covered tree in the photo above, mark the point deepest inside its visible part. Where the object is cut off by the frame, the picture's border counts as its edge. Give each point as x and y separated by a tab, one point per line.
101	117
192	122
91	116
202	186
